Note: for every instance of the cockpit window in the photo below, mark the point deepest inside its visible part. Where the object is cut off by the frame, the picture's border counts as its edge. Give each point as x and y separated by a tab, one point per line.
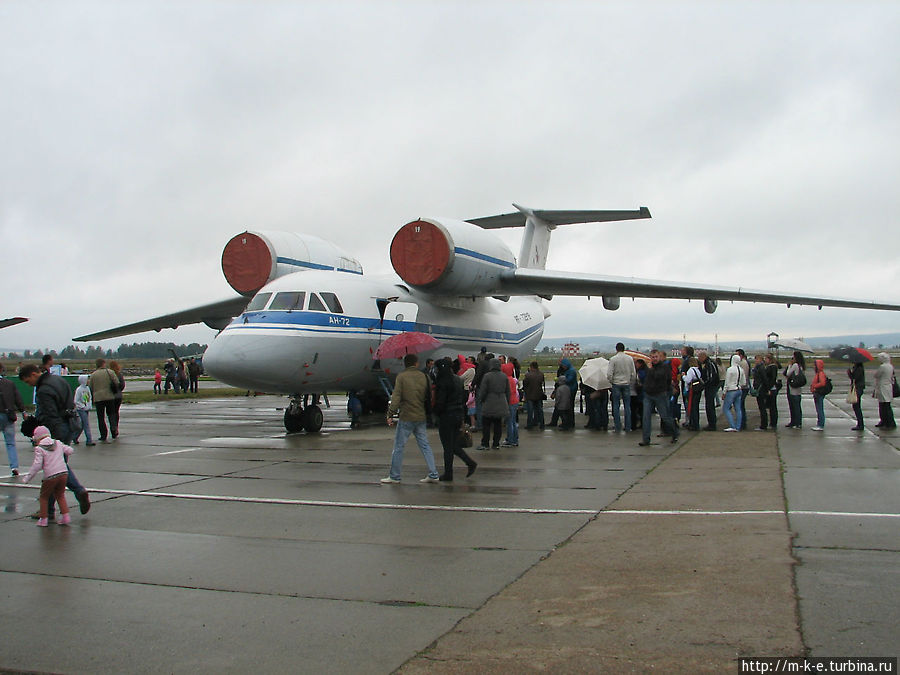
258	302
289	300
333	303
315	304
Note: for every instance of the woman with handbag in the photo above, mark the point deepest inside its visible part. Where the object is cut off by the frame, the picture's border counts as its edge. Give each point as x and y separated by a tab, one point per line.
884	392
857	375
449	406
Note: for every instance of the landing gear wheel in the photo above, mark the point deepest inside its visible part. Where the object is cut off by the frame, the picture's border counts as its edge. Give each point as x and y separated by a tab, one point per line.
313	418
293	420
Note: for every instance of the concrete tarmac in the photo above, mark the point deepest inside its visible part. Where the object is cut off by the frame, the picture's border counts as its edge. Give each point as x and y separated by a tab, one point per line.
217	543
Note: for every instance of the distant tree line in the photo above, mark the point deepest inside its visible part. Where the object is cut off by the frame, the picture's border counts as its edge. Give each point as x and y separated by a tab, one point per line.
143	350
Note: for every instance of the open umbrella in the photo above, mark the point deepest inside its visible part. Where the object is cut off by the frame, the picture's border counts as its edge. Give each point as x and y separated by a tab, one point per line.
593	373
792	343
412	342
851	354
638	355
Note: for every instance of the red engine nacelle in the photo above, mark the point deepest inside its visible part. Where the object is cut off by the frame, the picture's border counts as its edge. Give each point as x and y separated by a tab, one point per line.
252	259
450	257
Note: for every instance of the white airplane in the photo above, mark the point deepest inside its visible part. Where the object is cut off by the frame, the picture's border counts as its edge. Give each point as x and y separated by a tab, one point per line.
307	320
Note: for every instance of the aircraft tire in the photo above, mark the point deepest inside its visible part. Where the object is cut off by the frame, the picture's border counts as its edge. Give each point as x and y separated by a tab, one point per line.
293	423
313	418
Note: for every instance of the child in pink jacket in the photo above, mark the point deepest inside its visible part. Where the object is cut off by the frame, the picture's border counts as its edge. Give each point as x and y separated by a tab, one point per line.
50	455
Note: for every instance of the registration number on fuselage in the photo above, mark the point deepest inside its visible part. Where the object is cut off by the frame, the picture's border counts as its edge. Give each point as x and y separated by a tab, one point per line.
338	321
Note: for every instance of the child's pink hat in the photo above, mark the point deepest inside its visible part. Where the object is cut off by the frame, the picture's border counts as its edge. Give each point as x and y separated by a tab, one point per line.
39	433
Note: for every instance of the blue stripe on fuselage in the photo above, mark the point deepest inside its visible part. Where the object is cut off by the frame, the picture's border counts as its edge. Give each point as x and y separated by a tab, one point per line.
482	256
311	265
321	322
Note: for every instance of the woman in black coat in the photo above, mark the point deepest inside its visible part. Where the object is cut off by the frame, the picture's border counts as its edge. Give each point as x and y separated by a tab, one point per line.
450	407
857	377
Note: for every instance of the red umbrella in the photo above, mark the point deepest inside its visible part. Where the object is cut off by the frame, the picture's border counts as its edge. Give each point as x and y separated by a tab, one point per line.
398	346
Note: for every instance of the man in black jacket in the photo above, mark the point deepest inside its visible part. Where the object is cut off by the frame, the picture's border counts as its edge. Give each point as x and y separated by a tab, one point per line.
709	375
657	390
54	401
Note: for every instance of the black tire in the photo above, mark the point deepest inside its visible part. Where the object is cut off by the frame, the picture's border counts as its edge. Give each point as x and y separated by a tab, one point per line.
293	423
313	418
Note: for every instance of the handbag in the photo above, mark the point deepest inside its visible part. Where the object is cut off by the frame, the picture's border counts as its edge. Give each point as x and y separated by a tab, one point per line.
852	396
72	417
465	438
895	388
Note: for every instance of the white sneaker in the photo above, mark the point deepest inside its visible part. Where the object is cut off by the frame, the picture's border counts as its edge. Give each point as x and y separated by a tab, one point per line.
389	480
429	479
731	429
818	428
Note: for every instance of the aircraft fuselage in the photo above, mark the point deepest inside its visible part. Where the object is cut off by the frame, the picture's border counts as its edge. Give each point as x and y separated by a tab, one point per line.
309	347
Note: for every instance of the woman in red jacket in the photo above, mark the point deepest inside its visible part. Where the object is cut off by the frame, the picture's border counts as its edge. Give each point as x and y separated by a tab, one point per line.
817	388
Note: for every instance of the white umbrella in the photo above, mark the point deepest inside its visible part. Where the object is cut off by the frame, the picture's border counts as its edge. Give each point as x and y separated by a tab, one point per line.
593	373
791	343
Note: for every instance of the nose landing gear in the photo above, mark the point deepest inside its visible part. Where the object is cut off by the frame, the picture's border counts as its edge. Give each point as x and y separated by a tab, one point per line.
297	418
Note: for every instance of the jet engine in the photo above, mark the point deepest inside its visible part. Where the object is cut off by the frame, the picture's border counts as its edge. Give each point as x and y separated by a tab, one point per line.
449	257
252	259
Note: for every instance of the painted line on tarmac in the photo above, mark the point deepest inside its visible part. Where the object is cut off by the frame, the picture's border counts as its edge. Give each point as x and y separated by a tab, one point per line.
841	514
476	509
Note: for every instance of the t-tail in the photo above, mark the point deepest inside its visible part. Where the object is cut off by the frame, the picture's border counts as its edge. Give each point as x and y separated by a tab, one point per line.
539	224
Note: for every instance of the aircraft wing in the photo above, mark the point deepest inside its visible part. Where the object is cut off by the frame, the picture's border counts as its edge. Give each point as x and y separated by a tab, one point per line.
548	282
215	315
12	321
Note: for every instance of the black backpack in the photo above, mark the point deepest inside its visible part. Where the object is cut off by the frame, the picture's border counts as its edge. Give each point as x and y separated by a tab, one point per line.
826	388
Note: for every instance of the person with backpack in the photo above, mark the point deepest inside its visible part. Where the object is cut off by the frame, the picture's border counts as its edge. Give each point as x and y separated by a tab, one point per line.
693	389
709	375
819	388
796	377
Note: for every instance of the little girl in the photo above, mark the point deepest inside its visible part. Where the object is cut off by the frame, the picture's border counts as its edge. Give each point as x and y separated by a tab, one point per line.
50	455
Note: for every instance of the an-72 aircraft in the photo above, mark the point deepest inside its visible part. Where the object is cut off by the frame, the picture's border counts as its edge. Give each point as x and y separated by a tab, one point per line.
306	320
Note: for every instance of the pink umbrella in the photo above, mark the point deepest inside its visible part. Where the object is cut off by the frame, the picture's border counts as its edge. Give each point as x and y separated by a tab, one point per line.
398	346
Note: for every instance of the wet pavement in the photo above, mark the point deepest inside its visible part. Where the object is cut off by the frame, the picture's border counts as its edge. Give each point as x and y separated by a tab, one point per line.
218	543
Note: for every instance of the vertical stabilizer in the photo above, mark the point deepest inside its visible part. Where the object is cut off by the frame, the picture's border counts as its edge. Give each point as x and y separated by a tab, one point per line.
535	240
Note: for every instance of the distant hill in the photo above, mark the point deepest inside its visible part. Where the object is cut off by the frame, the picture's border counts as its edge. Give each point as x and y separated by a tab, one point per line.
606	343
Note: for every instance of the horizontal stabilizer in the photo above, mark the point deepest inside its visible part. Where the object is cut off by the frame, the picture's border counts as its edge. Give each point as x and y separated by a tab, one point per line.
215	315
558	217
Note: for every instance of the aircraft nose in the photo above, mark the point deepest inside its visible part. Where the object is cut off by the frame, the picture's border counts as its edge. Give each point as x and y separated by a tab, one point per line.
247	362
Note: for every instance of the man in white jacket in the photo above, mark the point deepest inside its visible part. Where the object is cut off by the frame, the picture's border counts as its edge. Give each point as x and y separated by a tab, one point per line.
621	375
734	382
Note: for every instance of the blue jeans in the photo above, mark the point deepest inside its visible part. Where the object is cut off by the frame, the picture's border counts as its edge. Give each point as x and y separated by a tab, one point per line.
621	392
404	429
820	409
661	403
512	425
534	414
84	416
733	399
9	434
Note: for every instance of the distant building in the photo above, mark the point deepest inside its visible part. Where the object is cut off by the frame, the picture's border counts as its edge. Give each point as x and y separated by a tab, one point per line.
571	349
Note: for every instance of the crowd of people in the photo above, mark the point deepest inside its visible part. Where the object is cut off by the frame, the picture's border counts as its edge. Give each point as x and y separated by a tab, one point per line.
483	394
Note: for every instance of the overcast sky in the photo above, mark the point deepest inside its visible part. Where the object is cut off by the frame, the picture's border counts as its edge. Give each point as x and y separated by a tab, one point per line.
137	137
